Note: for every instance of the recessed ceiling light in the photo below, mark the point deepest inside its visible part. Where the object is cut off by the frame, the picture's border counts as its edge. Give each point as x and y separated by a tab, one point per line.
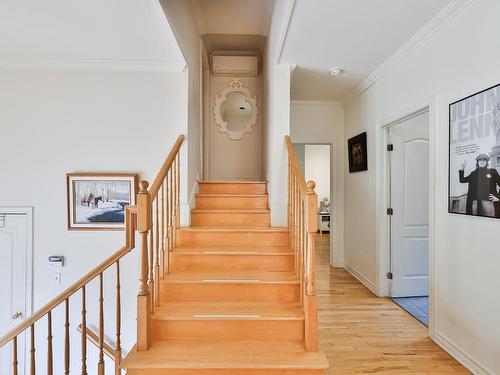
335	71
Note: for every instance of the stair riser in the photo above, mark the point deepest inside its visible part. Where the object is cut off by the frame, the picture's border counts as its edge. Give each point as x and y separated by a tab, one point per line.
229	188
230	219
224	203
216	262
224	371
216	238
229	329
192	292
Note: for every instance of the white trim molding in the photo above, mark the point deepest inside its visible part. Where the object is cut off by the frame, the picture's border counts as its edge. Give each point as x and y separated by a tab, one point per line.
28	211
452	10
284	30
91	64
468	361
361	278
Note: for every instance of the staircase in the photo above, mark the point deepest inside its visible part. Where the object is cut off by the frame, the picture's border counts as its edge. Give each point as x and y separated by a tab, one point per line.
232	300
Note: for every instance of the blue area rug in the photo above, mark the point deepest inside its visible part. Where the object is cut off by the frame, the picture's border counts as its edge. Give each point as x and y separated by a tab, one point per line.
416	306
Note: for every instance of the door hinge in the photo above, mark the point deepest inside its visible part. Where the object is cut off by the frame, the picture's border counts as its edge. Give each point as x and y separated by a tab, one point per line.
390	211
390	147
389	275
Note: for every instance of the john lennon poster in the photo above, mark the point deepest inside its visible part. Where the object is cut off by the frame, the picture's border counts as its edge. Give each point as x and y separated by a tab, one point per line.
474	179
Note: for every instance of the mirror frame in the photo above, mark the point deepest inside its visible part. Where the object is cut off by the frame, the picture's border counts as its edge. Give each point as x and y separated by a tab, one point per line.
235	86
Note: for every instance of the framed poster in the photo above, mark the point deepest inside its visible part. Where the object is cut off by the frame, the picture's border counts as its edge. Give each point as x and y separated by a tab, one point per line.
474	154
358	156
96	201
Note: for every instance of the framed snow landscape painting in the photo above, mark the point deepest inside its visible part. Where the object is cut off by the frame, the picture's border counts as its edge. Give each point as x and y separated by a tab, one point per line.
96	201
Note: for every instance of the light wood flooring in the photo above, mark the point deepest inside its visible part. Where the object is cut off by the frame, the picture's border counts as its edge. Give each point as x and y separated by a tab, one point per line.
364	334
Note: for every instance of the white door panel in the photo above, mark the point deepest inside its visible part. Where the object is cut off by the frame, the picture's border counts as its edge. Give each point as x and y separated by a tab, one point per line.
409	166
13	278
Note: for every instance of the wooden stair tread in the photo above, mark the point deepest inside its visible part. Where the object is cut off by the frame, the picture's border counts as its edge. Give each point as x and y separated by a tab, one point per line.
234	250
200	354
228	195
232	182
231	210
229	310
228	277
229	229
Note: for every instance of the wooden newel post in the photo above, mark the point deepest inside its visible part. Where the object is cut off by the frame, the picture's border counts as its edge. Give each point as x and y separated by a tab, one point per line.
144	222
310	303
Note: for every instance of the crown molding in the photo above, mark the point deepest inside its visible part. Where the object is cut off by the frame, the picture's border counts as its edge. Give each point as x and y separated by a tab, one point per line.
452	10
317	103
284	30
91	64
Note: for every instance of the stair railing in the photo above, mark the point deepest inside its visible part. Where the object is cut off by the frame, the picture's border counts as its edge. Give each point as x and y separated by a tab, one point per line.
164	198
303	225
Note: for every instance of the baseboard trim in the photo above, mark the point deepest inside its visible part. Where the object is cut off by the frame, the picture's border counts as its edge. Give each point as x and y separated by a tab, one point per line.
465	359
362	279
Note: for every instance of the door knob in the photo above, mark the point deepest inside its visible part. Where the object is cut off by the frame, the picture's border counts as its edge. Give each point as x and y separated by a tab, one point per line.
17	315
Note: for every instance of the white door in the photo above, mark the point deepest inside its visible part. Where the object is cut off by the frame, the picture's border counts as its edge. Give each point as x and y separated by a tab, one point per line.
409	175
14	279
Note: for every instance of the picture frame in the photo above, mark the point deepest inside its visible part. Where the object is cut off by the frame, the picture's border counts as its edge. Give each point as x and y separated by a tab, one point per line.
96	201
474	154
357	153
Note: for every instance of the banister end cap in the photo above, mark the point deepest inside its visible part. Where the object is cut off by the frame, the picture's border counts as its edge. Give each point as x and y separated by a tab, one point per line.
311	185
144	186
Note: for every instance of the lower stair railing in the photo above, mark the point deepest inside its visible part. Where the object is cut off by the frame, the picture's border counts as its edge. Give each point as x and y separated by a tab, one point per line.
302	223
156	217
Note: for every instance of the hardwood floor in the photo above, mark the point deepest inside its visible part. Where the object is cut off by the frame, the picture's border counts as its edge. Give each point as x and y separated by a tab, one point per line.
363	334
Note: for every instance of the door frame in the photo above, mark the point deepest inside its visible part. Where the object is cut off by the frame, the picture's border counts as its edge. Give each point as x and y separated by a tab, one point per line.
28	211
383	223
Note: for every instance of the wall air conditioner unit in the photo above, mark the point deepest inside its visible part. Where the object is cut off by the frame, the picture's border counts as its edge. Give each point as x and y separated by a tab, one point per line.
238	66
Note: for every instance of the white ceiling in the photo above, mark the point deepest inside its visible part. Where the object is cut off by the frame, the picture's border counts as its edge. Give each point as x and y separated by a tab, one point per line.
233	16
357	35
120	33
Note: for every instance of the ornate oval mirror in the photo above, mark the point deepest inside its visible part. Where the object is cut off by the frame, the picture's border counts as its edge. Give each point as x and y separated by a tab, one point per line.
235	111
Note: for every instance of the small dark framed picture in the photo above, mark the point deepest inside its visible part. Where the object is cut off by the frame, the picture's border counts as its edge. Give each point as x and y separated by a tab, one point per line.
96	201
358	156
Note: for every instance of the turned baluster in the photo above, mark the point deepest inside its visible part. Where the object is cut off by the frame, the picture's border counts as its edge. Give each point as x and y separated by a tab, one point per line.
32	351
50	366
84	333
118	349
178	192
151	259
14	356
66	337
143	299
164	225
100	363
159	246
170	210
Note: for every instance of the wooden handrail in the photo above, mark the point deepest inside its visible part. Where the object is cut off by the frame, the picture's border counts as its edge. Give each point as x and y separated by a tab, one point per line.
302	223
40	313
154	261
167	164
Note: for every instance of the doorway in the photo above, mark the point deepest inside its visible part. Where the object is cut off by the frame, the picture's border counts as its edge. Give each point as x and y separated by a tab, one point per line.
315	163
409	213
15	278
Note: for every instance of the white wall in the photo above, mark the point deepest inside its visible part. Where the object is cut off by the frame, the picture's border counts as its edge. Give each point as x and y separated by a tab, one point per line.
460	59
317	169
182	20
322	122
276	114
55	122
229	159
